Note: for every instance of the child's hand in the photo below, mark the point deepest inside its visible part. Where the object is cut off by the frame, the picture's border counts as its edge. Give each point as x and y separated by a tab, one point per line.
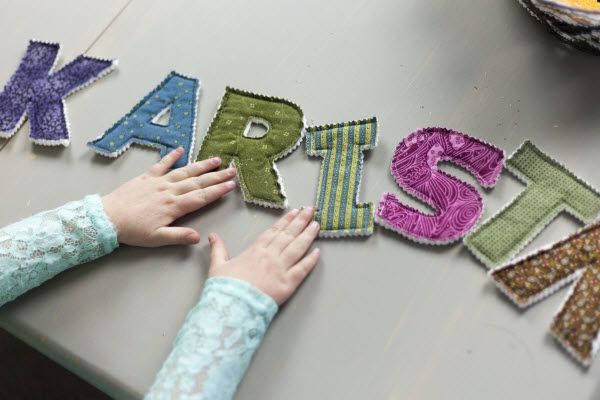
276	263
142	209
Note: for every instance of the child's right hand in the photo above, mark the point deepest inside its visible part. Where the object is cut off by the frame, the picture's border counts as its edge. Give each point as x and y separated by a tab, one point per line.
276	263
143	208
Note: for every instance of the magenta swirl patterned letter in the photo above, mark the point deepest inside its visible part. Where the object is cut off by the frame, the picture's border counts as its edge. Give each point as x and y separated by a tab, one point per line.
457	204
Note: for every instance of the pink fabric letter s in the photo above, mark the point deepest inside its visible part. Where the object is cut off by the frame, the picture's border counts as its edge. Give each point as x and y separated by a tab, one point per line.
457	204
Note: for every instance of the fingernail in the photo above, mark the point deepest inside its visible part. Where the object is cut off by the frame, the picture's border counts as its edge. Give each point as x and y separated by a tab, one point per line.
211	237
216	161
180	149
314	225
317	251
294	211
230	184
310	209
194	237
231	171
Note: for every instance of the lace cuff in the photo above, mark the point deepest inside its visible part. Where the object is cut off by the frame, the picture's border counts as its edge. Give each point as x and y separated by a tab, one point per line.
216	342
105	230
37	248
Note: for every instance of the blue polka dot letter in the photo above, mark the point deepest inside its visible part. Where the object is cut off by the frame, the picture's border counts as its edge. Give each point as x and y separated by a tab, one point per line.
164	119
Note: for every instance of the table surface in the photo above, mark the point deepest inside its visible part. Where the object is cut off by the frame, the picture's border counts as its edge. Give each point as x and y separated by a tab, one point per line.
381	317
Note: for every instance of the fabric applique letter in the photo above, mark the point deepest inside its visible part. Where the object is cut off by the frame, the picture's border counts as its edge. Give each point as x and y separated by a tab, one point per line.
176	97
577	258
458	205
34	91
230	137
342	146
551	189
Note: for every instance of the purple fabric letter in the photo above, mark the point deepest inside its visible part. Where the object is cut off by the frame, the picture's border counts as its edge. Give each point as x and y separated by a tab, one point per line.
36	92
457	204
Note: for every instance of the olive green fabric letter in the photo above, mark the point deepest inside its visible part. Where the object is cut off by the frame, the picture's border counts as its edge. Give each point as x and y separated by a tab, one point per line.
254	157
551	189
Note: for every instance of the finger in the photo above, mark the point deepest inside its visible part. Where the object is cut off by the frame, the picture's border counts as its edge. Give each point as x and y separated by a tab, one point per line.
171	235
218	251
165	164
197	199
284	237
300	271
267	236
193	169
296	250
203	181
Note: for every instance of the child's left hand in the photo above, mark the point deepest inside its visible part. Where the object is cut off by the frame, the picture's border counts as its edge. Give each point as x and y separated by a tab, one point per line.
142	209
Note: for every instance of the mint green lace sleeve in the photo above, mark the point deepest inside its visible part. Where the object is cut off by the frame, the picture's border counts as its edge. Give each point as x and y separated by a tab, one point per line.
216	343
37	248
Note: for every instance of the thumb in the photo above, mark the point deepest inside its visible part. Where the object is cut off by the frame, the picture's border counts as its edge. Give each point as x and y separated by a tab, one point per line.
218	251
169	235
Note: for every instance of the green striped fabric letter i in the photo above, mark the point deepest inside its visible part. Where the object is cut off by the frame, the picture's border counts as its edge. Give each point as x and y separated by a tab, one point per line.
341	146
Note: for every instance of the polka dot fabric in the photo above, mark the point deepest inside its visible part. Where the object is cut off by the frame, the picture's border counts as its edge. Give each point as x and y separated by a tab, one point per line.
178	95
254	157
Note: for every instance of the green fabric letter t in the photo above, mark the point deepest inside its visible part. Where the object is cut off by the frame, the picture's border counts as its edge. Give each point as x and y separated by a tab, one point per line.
230	138
551	189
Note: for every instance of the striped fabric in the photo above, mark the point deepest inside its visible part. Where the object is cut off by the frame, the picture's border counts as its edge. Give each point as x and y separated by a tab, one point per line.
341	146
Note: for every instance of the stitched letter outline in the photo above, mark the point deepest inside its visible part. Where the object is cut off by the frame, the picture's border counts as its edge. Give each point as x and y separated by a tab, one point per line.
36	92
551	189
254	157
458	205
342	146
577	258
177	97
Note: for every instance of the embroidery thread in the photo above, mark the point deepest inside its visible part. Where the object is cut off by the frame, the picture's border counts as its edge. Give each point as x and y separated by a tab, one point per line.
551	189
341	146
254	157
34	91
458	205
177	96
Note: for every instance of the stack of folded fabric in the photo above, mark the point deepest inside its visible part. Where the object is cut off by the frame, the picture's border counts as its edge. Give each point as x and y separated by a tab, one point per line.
575	21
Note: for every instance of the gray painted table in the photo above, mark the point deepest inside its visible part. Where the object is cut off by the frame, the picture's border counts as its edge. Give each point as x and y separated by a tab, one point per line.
380	318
